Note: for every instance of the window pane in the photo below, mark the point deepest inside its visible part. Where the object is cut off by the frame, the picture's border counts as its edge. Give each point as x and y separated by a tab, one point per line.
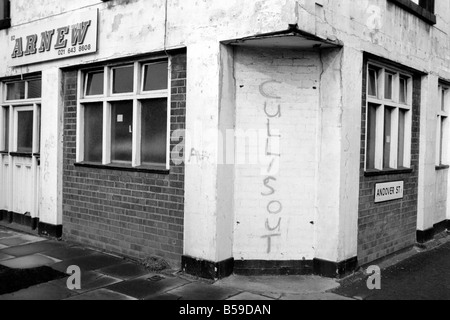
373	85
15	91
387	137
403	90
371	134
34	89
401	138
388	86
154	132
123	79
25	131
155	76
443	92
94	83
93	132
441	142
6	128
122	131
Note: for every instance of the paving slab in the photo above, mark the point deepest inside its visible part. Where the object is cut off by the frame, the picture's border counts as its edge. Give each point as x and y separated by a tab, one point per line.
68	252
163	297
125	271
29	262
32	248
275	286
315	297
102	295
201	291
247	296
45	291
20	239
90	281
142	288
5	257
5	234
90	262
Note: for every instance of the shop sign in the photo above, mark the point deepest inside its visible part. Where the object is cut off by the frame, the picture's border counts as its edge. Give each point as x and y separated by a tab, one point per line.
69	35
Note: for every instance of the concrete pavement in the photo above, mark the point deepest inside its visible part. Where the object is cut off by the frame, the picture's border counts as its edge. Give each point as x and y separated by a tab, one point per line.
35	268
108	277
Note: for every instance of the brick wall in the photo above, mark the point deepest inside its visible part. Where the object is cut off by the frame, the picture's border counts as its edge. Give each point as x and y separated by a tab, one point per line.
386	228
130	213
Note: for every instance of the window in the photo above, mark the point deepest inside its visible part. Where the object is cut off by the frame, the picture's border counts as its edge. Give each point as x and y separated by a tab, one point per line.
424	9
124	115
389	119
425	4
21	90
5	19
20	116
4	118
442	126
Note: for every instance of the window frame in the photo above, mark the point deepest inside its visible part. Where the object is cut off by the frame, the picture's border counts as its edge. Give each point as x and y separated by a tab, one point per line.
442	130
26	93
107	98
381	104
426	12
15	106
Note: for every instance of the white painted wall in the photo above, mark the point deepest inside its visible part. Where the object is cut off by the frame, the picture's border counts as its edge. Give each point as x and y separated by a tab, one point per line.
293	75
51	148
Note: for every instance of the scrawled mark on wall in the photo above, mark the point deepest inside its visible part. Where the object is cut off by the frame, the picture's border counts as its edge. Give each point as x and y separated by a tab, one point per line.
274	207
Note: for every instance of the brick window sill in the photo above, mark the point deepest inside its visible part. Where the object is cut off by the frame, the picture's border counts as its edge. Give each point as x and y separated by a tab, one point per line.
416	10
377	173
442	167
117	167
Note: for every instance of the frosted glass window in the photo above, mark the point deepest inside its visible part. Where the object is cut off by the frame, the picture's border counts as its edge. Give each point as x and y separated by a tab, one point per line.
25	131
403	90
94	83
34	89
15	91
6	129
387	137
155	76
154	132
371	134
93	132
121	131
401	138
123	78
388	86
373	82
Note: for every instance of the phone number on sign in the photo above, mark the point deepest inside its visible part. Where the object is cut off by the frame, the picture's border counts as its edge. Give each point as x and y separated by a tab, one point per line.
72	50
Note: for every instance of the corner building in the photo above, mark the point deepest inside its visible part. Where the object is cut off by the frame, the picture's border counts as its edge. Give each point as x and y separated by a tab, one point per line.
303	137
